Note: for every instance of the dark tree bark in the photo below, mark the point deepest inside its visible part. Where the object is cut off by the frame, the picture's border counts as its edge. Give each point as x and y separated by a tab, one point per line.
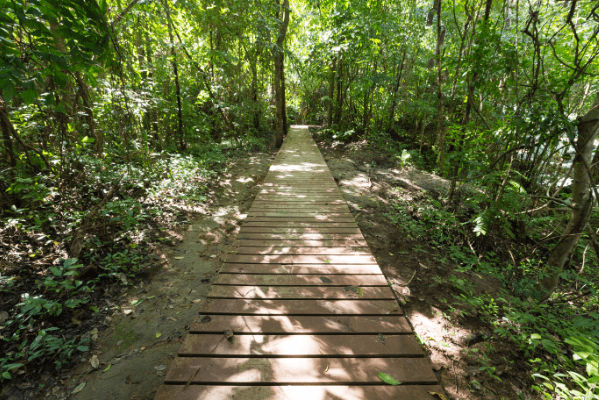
279	78
331	91
441	140
582	200
180	139
395	91
89	114
7	133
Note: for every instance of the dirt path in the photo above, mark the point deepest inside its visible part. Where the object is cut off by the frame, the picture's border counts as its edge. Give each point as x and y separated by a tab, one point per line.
145	327
419	277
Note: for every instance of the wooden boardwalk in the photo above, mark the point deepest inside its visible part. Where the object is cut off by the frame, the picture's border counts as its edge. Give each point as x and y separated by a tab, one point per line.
301	309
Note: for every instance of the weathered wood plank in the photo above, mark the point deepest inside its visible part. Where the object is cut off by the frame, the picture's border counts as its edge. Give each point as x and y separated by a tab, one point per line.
300	345
300	280
301	250
301	292
320	269
299	392
300	259
301	307
298	370
277	324
353	243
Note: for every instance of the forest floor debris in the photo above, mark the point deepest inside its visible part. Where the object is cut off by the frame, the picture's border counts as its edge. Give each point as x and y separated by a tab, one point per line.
134	337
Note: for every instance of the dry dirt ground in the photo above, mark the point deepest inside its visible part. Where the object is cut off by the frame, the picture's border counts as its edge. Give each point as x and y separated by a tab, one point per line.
143	327
370	183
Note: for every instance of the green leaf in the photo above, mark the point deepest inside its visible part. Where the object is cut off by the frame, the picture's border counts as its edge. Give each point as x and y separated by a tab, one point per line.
390	380
29	95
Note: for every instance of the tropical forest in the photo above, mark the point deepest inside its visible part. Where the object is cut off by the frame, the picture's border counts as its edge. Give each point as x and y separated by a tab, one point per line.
459	141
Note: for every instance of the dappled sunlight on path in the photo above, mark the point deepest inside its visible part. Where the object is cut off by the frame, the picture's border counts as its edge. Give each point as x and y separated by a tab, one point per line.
300	308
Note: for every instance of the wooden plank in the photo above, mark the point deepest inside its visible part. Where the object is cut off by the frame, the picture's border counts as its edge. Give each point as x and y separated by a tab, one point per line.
278	324
312	214
298	370
301	307
291	224
323	208
297	392
298	231
316	189
318	215
300	280
301	250
300	236
301	242
300	345
300	259
301	292
307	222
306	269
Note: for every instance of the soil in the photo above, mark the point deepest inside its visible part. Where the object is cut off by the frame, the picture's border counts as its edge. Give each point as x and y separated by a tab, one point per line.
143	325
370	183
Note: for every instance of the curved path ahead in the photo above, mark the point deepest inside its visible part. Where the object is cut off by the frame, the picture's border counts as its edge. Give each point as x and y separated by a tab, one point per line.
300	310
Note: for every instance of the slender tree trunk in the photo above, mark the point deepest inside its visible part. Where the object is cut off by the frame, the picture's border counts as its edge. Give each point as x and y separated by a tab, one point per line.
254	90
180	139
279	82
441	140
331	90
582	200
7	132
395	91
89	114
337	115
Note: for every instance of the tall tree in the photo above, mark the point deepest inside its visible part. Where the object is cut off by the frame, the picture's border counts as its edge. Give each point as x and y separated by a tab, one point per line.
283	16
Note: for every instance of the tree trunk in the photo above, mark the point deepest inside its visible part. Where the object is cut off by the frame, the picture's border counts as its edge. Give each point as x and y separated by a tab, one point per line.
395	92
331	90
89	114
7	129
582	200
441	140
254	91
279	83
180	140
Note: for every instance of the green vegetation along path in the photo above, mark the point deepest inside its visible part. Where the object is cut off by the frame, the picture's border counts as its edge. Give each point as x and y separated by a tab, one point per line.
300	310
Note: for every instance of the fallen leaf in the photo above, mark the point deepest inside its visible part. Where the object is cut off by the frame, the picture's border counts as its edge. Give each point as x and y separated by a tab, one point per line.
94	361
158	334
107	368
326	369
228	335
123	278
160	367
390	380
325	280
94	334
78	388
196	300
381	338
178	258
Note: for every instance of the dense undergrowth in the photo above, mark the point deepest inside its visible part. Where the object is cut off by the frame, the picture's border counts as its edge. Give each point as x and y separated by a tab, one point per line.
71	242
557	336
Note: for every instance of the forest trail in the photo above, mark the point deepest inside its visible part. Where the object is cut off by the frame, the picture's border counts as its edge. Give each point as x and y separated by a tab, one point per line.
300	309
